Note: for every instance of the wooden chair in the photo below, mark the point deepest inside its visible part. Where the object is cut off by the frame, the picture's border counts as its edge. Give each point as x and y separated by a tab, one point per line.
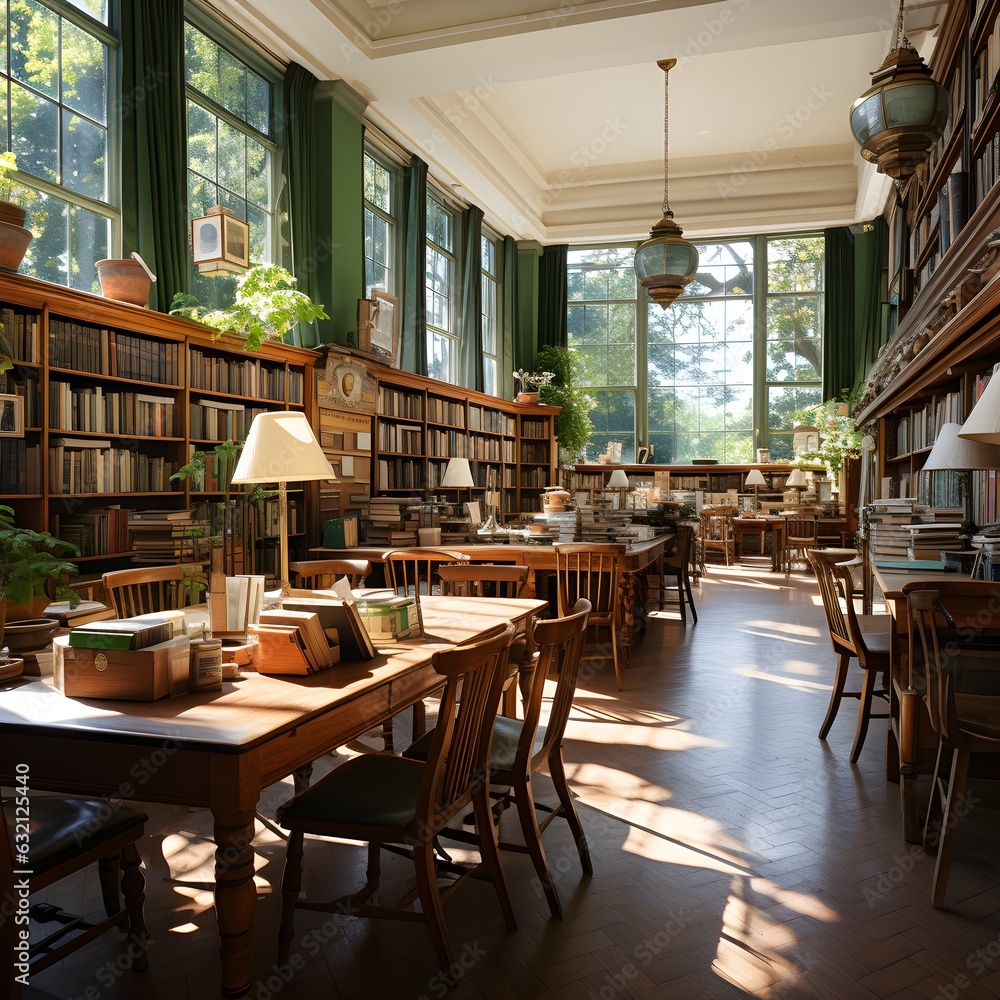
386	800
151	588
954	640
717	533
483	579
64	835
520	749
865	637
677	566
317	574
592	571
799	538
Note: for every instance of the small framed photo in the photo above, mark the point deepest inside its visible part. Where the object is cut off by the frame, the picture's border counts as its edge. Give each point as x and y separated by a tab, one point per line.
763	456
644	454
377	325
11	416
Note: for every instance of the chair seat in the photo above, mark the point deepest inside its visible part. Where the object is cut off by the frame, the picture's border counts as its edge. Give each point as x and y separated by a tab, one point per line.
875	623
979	715
60	827
372	790
878	644
506	733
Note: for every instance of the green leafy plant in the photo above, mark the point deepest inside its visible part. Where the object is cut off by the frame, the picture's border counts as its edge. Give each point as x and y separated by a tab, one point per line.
266	306
225	452
31	565
573	424
12	190
839	439
532	381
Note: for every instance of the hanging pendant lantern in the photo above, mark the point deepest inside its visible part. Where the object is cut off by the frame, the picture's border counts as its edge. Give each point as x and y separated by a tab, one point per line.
666	262
898	120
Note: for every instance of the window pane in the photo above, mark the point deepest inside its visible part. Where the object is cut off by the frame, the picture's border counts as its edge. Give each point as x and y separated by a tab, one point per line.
84	79
258	103
232	159
201	63
795	264
723	269
614	420
233	84
490	376
201	140
68	242
258	179
783	402
34	46
97	9
377	187
439	356
85	155
34	133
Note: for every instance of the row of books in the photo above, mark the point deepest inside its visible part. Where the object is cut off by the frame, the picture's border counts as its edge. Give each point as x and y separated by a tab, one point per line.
91	465
532	428
100	531
450	444
269	521
535	453
167	537
445	411
100	411
21	330
394	403
24	382
239	605
405	439
341	532
400	474
240	376
20	466
219	420
491	421
986	168
100	351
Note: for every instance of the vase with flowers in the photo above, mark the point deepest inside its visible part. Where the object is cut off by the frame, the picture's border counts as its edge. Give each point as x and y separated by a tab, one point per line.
14	237
528	384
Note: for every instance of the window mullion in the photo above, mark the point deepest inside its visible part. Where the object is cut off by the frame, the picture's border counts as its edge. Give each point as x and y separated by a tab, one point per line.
760	394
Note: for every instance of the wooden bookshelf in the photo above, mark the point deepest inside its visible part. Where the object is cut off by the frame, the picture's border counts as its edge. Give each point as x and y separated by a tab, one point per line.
116	399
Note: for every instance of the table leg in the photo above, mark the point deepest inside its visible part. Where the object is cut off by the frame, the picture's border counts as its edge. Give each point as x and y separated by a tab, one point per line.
235	791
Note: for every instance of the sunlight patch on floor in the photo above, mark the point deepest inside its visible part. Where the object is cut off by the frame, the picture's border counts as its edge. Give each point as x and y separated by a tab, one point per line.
788	628
792	682
778	637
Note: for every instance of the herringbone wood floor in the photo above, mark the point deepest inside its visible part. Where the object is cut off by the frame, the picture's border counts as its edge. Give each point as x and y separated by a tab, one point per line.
734	854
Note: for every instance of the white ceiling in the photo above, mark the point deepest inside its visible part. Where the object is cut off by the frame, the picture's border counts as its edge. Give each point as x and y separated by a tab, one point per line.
549	115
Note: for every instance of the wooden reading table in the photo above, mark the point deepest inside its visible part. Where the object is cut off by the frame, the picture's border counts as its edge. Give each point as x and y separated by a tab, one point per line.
219	749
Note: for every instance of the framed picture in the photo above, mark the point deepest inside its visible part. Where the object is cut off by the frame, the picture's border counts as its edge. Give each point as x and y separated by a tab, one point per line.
11	416
644	454
763	456
220	237
377	325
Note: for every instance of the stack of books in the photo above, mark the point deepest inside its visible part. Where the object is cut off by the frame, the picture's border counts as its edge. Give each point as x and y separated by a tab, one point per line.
167	536
82	614
392	521
121	633
294	642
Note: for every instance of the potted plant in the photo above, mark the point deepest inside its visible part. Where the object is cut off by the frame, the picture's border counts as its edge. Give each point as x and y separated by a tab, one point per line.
573	425
266	306
529	384
31	571
839	438
14	237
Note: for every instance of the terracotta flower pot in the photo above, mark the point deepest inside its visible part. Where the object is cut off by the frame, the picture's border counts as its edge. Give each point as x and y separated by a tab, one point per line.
14	242
124	280
11	213
527	397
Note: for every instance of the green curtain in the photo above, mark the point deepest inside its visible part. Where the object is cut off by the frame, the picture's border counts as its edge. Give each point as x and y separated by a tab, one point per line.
154	143
508	319
300	130
470	313
871	252
413	334
552	297
840	358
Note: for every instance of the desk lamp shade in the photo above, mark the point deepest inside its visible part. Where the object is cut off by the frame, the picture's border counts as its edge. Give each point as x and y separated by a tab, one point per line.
457	474
983	423
282	448
958	453
618	480
796	478
755	478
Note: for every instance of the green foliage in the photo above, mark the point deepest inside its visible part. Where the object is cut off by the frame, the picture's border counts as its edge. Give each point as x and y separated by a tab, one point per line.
266	306
838	437
29	560
225	453
573	424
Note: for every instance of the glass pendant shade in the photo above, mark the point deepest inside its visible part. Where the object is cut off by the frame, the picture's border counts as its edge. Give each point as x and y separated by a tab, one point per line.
666	262
902	115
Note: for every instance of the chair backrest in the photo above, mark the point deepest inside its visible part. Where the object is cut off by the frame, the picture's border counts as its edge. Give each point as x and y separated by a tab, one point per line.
591	571
559	643
954	629
800	529
414	572
319	573
716	525
459	754
683	541
483	579
152	588
829	591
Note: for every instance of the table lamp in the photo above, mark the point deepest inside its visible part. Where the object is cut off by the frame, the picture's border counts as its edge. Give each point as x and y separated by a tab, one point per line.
755	478
797	481
619	483
954	452
983	423
282	448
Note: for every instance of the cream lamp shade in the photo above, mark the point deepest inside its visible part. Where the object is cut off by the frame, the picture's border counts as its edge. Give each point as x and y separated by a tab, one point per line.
458	474
957	453
282	448
797	478
618	480
983	423
755	478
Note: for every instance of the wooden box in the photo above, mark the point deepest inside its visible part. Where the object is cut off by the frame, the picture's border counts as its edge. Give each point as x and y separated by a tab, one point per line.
125	674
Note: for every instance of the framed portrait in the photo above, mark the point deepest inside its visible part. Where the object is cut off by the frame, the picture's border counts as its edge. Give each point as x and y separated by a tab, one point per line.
378	325
11	416
220	237
644	454
763	456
